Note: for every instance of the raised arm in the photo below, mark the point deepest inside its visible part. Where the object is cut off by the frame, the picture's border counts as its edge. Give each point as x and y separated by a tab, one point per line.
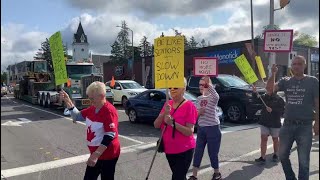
75	113
271	81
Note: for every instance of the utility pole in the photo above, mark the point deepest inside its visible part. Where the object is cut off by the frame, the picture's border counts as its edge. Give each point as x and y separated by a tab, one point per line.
283	3
272	57
252	38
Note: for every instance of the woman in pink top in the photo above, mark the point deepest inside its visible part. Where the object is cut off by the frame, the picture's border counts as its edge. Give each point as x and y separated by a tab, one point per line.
179	116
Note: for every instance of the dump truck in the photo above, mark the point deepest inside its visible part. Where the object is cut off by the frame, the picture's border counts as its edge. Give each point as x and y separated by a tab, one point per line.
37	85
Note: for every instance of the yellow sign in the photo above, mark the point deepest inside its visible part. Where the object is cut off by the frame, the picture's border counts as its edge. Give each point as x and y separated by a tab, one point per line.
169	62
260	67
246	69
58	61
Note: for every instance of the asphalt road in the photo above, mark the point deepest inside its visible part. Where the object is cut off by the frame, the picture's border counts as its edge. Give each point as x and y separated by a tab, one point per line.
38	143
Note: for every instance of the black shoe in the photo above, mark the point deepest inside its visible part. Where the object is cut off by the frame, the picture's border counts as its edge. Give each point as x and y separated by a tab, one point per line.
275	158
192	178
260	160
216	176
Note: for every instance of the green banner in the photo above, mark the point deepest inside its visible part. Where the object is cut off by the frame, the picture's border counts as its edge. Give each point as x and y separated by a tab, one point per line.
57	55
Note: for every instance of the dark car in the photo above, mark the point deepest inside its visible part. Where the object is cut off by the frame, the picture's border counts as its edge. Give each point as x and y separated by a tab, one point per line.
237	99
147	105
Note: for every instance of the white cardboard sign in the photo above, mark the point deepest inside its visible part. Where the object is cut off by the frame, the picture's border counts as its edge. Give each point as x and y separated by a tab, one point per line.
278	40
205	66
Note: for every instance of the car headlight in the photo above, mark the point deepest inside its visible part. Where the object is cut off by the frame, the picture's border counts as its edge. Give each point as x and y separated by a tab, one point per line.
219	111
248	94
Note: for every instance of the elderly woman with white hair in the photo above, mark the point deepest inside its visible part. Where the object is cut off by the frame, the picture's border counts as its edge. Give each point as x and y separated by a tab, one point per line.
102	131
178	117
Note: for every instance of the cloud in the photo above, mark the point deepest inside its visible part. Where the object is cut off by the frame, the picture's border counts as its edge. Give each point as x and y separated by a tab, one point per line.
18	44
150	8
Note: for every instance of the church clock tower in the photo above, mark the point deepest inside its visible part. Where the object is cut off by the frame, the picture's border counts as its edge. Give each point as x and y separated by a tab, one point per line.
80	45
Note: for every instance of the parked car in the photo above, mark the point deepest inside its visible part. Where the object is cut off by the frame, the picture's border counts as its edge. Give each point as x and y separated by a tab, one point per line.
125	89
147	105
109	94
237	99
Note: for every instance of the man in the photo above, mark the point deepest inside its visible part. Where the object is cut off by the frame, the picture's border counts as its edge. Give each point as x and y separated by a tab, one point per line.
270	121
302	97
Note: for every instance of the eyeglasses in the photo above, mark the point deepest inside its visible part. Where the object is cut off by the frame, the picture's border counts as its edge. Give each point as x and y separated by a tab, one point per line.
201	85
173	88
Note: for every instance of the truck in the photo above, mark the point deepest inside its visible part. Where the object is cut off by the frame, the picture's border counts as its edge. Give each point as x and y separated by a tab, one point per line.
37	85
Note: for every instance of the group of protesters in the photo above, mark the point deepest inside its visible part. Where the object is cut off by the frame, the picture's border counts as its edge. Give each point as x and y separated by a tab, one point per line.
178	117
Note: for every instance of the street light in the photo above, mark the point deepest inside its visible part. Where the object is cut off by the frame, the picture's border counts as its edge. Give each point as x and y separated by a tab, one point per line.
132	47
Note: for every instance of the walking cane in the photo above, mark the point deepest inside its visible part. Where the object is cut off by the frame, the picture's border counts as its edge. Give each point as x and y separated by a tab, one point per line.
155	153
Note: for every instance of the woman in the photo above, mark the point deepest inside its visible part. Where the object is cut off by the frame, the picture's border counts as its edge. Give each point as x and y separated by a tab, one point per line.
179	116
102	131
209	128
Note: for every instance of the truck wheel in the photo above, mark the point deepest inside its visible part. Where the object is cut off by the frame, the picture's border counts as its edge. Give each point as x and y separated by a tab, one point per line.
48	101
43	99
234	112
39	99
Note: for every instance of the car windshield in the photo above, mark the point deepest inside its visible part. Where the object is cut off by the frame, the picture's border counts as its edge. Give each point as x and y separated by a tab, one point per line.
79	69
131	85
232	81
189	96
186	95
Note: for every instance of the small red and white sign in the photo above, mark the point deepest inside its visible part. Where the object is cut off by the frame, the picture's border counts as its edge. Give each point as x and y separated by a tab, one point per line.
205	66
278	40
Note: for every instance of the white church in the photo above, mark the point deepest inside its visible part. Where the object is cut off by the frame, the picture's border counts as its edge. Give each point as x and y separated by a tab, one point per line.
80	46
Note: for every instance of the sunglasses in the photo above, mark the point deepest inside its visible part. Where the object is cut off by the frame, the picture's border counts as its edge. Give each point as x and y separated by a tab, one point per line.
173	88
201	85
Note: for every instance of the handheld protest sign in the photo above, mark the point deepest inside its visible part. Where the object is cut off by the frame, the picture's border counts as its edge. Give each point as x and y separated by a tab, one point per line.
245	68
205	66
169	62
260	67
58	60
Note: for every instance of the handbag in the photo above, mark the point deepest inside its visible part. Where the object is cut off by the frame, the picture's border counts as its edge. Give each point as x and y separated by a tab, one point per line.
160	145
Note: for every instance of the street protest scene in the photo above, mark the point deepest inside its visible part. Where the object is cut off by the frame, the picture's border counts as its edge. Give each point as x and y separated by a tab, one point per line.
166	90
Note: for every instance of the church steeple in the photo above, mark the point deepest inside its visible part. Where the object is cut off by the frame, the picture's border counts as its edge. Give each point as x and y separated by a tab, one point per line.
80	36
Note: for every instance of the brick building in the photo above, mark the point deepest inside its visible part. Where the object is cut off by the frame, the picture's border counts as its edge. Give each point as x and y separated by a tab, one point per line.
226	54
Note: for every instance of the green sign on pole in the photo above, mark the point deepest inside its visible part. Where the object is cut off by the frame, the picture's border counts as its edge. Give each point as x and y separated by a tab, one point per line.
57	55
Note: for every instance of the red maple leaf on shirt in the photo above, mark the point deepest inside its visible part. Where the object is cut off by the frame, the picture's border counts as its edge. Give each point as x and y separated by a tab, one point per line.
90	134
203	103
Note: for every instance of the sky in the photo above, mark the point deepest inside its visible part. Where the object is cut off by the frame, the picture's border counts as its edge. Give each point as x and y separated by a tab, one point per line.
25	24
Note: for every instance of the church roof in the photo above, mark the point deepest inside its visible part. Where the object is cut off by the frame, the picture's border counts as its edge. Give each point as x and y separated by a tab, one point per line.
80	36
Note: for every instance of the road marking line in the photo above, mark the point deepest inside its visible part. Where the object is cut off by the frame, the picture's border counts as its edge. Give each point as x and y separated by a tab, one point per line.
24	120
83	158
210	169
63	162
239	128
125	137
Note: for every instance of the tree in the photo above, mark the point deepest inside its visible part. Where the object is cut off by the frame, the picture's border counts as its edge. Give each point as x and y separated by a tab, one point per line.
145	47
209	44
116	53
193	43
304	39
268	27
203	43
122	45
44	53
186	43
4	77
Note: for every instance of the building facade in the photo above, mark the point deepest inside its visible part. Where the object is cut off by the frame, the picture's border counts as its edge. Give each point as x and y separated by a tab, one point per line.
226	53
